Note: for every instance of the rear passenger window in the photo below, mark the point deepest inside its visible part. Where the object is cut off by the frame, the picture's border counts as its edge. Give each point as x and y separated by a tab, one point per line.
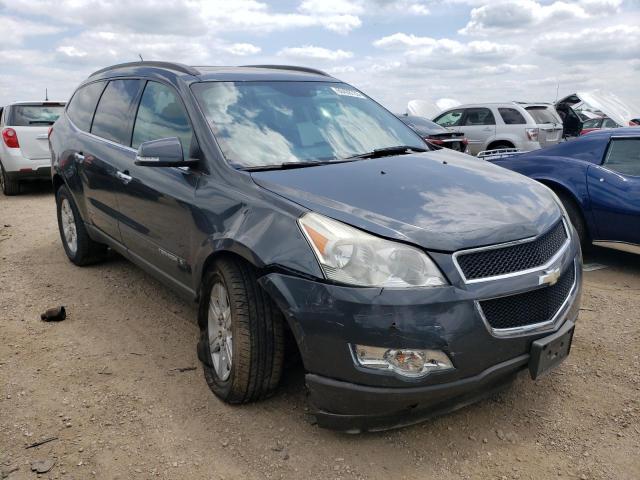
623	156
608	123
511	116
115	110
161	115
83	104
479	116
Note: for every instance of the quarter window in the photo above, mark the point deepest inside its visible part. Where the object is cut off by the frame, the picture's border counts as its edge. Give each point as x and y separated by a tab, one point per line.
479	116
161	115
511	116
115	109
623	156
450	119
83	105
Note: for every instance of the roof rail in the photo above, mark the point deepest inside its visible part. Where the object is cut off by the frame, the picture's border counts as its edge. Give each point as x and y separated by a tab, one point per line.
295	68
178	67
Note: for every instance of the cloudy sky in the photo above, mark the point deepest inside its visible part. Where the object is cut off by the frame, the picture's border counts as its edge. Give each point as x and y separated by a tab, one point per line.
394	50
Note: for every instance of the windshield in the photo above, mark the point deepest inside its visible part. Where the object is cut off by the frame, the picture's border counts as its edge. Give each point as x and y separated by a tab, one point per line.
271	123
39	114
542	115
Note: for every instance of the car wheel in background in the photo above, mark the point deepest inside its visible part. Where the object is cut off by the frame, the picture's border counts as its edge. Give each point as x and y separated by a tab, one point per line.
499	145
577	220
78	246
9	186
242	338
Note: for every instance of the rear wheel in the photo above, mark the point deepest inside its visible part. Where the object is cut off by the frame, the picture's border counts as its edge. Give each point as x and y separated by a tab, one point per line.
242	339
10	186
499	145
576	218
78	246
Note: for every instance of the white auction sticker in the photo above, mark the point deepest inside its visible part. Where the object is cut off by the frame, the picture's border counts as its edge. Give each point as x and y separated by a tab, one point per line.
347	92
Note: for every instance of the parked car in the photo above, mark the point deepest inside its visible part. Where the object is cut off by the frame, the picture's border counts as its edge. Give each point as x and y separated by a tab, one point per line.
435	134
24	150
597	124
597	104
490	126
597	178
290	205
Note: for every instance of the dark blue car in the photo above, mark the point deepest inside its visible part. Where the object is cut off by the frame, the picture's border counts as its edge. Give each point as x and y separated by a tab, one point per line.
303	216
597	177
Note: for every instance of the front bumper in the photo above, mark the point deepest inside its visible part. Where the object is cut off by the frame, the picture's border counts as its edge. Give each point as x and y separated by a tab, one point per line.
326	319
356	408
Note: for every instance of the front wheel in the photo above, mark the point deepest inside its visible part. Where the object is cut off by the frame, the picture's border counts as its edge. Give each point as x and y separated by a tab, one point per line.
577	220
78	246
242	342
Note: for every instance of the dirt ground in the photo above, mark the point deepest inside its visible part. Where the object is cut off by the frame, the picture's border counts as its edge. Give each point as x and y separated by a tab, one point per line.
106	382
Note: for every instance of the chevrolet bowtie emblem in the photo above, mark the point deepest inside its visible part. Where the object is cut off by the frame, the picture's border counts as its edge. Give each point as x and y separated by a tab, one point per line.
549	277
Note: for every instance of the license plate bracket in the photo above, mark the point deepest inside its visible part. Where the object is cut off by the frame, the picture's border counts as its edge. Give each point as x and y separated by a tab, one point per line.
548	352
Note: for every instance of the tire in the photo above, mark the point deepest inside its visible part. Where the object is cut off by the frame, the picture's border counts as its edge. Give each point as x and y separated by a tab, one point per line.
255	326
577	220
10	186
497	145
78	246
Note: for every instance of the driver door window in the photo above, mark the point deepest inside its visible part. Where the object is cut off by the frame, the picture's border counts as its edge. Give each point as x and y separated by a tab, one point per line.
623	156
162	115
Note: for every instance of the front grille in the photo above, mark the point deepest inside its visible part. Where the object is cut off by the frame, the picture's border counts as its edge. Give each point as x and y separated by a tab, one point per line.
529	308
513	258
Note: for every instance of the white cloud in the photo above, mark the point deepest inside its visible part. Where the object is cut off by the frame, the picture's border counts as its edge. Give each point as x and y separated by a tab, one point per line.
445	53
16	30
592	45
520	15
315	53
242	49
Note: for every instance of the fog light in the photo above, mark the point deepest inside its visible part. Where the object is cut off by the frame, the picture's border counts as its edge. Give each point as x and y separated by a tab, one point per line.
404	361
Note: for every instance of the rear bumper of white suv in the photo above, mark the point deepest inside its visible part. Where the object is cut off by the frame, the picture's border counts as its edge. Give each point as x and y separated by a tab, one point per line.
17	166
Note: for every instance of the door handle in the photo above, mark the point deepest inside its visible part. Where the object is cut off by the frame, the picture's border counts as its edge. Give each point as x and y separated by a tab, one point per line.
79	157
487	129
124	177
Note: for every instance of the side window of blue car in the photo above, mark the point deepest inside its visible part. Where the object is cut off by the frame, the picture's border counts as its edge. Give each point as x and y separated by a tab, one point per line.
623	156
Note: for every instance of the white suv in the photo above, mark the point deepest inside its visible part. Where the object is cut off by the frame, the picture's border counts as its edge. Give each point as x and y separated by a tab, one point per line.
490	126
24	148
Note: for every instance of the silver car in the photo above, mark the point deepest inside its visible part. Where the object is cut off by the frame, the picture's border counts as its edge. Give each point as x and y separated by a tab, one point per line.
490	126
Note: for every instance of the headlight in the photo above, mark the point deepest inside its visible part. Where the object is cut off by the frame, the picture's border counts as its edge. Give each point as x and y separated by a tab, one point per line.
351	256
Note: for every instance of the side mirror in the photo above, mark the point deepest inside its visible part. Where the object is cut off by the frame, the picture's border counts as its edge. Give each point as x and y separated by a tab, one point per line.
165	152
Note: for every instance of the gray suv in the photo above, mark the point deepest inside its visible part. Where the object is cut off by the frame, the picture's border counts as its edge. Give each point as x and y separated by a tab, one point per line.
302	216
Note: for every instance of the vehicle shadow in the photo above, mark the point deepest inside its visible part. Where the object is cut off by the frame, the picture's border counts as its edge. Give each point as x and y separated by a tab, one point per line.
35	189
625	261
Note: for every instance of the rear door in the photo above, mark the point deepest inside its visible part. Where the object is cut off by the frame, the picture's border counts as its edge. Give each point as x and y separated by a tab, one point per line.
31	122
614	191
478	125
549	124
105	154
156	220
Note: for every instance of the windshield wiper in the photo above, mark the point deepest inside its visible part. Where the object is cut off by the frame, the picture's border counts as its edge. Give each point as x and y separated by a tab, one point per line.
292	165
388	151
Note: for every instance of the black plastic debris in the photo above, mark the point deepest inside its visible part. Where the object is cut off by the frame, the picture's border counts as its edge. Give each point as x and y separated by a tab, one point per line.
56	314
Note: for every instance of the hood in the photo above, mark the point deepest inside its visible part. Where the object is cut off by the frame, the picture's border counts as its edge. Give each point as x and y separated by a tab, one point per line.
440	200
605	102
